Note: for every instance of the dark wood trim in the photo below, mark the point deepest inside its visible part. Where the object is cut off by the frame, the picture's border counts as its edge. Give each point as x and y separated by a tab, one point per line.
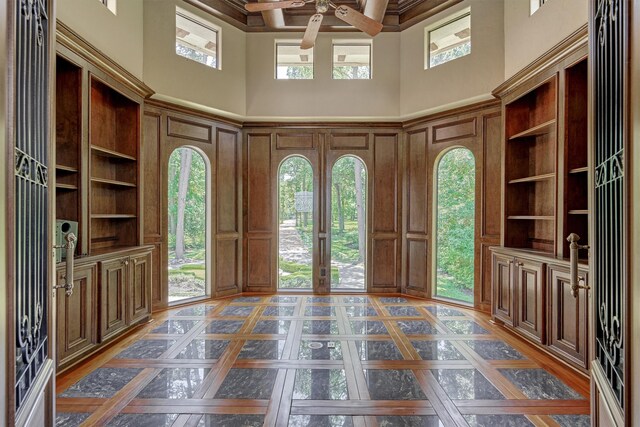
192	112
67	37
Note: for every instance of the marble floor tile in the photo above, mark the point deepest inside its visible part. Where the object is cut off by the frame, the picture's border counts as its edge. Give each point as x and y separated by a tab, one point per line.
393	300
203	349
262	349
440	311
320	327
223	327
355	300
572	420
237	310
71	419
284	299
174	327
320	300
361	311
466	384
416	327
392	384
142	420
368	327
247	299
464	327
145	349
409	421
320	421
272	327
247	384
319	310
539	384
216	420
198	310
320	384
403	311
497	421
103	382
437	350
272	310
174	383
322	353
378	350
495	350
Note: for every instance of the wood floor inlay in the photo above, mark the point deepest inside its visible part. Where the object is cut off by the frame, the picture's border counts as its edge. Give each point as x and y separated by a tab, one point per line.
343	360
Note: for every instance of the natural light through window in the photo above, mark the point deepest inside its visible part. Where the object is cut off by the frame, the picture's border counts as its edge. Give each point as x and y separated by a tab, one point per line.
449	41
197	39
110	4
536	4
293	62
351	60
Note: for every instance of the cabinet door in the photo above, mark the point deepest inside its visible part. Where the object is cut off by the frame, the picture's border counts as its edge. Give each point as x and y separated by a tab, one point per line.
113	279
76	326
502	284
139	287
529	292
568	317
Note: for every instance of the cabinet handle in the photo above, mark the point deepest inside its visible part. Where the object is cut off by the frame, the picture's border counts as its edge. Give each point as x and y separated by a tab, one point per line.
70	248
510	261
519	264
125	262
576	282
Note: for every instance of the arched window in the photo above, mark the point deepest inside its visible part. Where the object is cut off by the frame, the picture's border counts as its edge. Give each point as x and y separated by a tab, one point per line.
295	219
188	225
455	225
348	224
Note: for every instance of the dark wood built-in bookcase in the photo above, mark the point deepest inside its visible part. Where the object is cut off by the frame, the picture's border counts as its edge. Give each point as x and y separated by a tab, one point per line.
99	184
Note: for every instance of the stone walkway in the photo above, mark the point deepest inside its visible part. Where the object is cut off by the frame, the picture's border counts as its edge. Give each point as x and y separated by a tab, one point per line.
292	249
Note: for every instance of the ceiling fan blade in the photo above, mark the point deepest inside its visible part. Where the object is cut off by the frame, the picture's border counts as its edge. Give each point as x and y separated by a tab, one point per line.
271	5
309	39
358	20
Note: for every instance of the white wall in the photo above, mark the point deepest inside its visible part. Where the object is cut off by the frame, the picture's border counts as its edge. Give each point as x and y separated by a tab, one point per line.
526	37
117	36
465	80
322	97
182	80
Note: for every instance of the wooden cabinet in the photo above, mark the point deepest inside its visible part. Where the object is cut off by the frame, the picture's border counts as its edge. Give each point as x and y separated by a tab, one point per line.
113	281
529	293
139	287
502	278
76	314
568	316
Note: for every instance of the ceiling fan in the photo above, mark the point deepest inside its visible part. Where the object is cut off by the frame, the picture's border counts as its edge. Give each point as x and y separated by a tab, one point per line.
342	12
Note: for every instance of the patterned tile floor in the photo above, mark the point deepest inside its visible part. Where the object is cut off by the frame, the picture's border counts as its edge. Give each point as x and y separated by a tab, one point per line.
321	361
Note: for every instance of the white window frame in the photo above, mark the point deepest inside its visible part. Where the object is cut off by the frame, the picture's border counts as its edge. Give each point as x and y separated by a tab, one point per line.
437	25
109	4
208	25
291	42
535	5
353	42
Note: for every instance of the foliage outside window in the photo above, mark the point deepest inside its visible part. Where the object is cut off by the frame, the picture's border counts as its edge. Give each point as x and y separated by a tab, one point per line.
351	61
293	63
448	41
197	39
455	225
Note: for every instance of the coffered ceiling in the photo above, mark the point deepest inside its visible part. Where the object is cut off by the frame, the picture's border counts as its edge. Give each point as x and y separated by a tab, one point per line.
399	14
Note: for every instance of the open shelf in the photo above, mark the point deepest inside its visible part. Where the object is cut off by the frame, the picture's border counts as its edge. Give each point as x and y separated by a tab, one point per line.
579	212
60	186
105	152
66	169
534	178
579	170
540	129
533	217
112	182
113	216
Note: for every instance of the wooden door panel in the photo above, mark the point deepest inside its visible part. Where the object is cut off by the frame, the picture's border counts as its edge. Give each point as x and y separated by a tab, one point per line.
76	328
567	317
113	316
502	283
529	283
139	288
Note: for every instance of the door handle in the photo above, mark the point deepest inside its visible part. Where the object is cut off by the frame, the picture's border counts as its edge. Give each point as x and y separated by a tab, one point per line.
70	248
576	282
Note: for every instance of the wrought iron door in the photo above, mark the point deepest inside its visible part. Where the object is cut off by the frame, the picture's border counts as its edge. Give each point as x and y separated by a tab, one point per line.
609	54
30	195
